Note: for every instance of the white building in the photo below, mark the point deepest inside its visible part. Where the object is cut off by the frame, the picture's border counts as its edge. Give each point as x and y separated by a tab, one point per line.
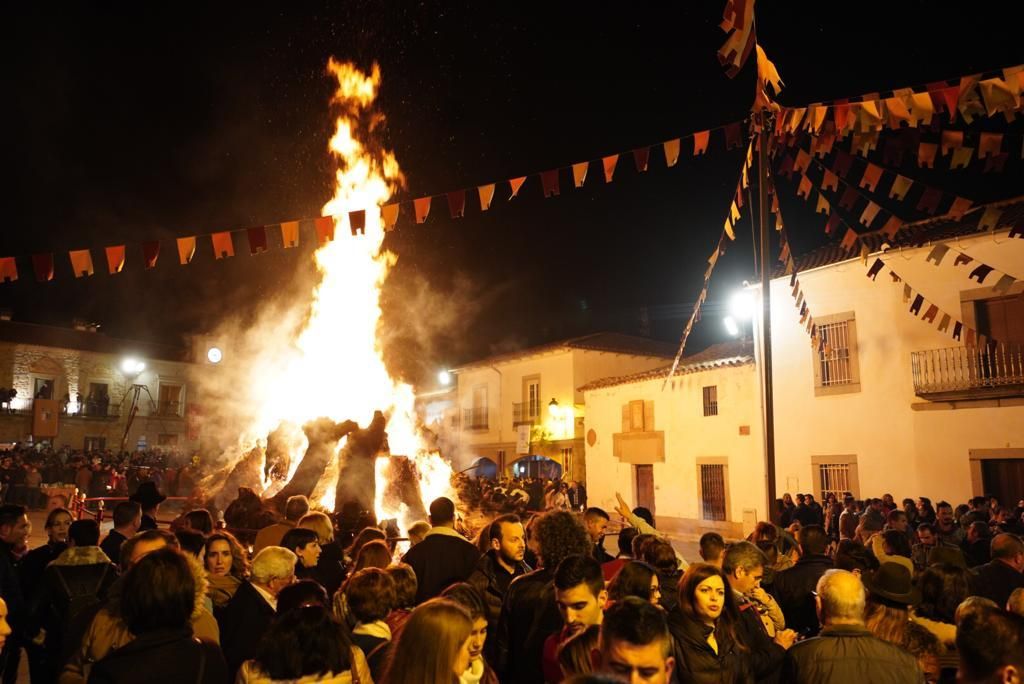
526	406
691	452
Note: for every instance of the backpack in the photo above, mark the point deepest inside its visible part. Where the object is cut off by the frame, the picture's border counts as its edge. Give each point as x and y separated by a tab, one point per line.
79	602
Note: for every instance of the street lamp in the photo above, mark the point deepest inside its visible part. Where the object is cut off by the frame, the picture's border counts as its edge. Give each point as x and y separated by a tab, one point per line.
214	355
132	367
445	378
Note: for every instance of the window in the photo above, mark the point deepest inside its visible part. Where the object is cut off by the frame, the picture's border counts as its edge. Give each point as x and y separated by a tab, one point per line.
711	400
533	399
475	418
528	410
836	369
167	440
43	388
97	401
170	401
712	491
636	416
834	475
95	443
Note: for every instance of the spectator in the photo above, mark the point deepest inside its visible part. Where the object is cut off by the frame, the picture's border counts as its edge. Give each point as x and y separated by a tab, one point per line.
853	556
5	633
417	532
576	655
580	597
127	521
158	598
703	627
743	566
227	567
946	527
366	535
846	651
149	498
596	521
660	555
1015	604
496	569
926	649
33	563
635	578
712	546
444	556
890	593
998	578
433	646
190	541
973	605
14	530
891	546
247	616
788	508
373	554
405	595
848	519
991	647
331	566
306	546
294	508
976	545
306	645
479	670
300	594
370	597
635	644
794	588
528	614
943	587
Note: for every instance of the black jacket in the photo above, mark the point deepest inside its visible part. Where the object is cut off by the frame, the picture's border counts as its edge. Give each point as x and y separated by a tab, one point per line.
764	654
697	662
528	617
492	581
166	657
439	561
995	580
66	588
792	589
10	589
849	655
111	546
243	622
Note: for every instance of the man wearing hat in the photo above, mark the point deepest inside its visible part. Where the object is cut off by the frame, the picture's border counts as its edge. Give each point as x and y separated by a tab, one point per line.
892	584
149	498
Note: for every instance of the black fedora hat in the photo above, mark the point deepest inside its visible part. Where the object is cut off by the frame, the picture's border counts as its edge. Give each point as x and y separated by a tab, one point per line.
147	495
893	583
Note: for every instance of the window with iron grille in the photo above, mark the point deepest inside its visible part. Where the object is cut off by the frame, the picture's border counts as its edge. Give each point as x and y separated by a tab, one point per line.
711	400
834	478
836	369
712	491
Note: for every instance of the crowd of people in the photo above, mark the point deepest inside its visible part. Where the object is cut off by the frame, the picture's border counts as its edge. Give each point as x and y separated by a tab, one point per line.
866	593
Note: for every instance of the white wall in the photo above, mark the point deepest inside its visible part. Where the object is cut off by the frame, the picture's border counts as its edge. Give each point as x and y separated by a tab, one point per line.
899	450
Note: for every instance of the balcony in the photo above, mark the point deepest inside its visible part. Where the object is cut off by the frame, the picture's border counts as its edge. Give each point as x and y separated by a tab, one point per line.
957	373
474	419
169	409
525	414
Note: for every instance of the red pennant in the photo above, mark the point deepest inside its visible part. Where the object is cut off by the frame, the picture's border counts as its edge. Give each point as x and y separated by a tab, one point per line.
803	160
892	226
421	205
842	163
849	240
849	198
324	229
892	153
950	97
733	136
257	239
457	204
640	158
786	168
995	162
832	224
990	144
150	253
804	189
42	264
8	270
357	222
842	114
929	201
549	179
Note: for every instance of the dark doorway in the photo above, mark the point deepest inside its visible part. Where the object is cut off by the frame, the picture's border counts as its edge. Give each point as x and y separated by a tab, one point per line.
1003	478
537	466
644	475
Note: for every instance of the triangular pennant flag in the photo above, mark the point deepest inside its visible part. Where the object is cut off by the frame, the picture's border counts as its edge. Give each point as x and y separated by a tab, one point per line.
700	143
950	96
150	253
389	214
830	181
921	108
875	268
900	186
324	230
823	206
937	254
671	153
794	117
289	237
81	262
990	144
549	181
357	221
728	229
991	218
929	201
421	206
926	155
609	166
734	212
257	240
930	314
872	174
870	212
892	226
579	172
1004	284
822	144
951	140
898	111
971	340
961	157
486	193
804	189
864	142
514	184
944	323
42	264
841	112
766	71
641	156
223	246
786	167
998	96
8	270
187	245
457	204
959	207
115	259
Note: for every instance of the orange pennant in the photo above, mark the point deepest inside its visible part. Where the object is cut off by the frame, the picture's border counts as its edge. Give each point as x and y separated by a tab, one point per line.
990	144
515	184
289	237
389	215
830	181
951	140
115	259
8	270
898	111
324	230
959	207
729	230
187	246
823	206
899	188
849	240
961	157
579	173
609	167
486	196
421	207
700	142
671	152
803	160
926	155
921	108
872	174
892	226
804	189
81	262
734	212
223	247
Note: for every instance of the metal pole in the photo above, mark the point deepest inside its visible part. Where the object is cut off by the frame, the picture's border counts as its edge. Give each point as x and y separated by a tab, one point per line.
766	318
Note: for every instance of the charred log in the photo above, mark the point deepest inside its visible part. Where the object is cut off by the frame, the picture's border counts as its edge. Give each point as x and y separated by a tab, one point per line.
323	435
357	477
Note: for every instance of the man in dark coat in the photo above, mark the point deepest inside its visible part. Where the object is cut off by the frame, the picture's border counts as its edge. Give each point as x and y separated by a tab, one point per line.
127	521
14	530
794	588
496	569
444	557
846	652
998	578
596	520
248	614
149	498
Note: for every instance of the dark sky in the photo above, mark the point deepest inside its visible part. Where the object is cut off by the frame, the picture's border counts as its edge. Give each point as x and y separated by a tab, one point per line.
127	122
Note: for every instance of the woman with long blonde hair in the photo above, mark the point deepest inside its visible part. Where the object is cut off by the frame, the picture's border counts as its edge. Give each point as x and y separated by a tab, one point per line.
433	647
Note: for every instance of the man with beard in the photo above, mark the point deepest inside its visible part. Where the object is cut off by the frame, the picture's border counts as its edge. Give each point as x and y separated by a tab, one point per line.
496	569
596	520
580	596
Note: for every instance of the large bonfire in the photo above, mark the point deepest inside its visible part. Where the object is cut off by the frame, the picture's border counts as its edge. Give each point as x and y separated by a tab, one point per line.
334	373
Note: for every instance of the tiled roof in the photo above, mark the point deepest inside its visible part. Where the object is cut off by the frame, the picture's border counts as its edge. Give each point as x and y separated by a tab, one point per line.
83	340
733	353
617	343
913	235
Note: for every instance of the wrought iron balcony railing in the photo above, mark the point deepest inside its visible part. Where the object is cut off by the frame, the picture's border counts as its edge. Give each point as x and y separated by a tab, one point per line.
474	419
967	372
524	412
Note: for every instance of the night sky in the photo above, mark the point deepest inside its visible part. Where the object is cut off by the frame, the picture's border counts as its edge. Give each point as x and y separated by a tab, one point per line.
151	121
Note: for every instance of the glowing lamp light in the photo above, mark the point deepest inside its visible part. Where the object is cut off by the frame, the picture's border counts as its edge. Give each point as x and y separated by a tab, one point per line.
214	355
742	306
132	366
444	377
730	326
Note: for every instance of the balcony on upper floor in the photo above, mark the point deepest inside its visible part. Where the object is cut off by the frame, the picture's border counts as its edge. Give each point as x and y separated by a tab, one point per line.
993	371
474	418
525	413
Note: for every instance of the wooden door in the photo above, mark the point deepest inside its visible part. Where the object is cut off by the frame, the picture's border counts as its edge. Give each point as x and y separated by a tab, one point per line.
644	475
1003	478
